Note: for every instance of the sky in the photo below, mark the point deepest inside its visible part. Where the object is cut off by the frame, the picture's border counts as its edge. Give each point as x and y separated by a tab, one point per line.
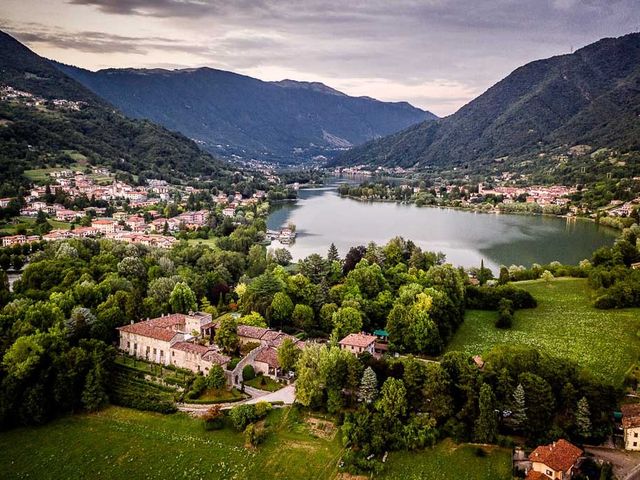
435	54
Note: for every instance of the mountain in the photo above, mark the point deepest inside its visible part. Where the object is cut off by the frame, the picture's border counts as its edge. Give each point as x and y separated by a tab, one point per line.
54	120
540	111
233	114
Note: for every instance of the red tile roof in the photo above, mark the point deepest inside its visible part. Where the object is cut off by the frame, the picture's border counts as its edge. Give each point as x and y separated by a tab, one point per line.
215	357
161	328
269	356
559	456
190	347
358	340
630	415
250	331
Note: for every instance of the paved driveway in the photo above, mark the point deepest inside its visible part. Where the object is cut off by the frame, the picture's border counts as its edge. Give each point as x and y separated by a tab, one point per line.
626	465
286	395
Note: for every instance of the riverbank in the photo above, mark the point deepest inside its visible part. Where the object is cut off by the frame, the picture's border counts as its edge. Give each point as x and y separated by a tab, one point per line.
478	208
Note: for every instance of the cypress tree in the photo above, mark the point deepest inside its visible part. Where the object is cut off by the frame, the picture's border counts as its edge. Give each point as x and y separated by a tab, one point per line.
486	426
583	418
332	255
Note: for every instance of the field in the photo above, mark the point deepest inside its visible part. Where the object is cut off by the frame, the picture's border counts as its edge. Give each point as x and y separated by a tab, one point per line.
119	443
447	461
564	324
28	223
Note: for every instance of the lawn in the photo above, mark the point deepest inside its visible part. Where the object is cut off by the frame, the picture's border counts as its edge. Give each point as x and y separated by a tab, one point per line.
119	443
447	461
209	242
221	395
270	384
566	325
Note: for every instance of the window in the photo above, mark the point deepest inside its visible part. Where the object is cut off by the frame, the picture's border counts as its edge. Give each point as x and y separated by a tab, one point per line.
155	352
162	353
635	444
173	354
635	435
128	345
550	473
135	347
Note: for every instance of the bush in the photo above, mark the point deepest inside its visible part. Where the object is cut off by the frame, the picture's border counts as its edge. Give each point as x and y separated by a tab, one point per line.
233	363
243	415
488	298
213	418
505	314
248	373
199	385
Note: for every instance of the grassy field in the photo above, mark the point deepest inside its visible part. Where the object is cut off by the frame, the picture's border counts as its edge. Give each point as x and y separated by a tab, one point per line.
221	395
447	461
564	324
210	242
119	443
28	223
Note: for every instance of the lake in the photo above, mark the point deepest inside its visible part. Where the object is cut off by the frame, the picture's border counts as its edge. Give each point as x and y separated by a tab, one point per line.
321	217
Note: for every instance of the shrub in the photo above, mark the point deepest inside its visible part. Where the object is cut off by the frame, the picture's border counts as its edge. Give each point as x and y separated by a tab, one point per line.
233	363
197	387
248	373
213	418
505	314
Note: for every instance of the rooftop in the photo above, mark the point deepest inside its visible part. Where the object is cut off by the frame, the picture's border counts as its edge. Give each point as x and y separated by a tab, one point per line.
559	456
630	415
269	356
358	340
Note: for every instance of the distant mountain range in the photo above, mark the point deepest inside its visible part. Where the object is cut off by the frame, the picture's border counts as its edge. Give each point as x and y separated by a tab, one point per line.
231	114
590	97
36	132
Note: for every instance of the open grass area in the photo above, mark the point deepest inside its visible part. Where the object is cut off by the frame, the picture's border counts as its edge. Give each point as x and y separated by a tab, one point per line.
264	383
119	443
221	395
27	223
566	325
209	242
447	461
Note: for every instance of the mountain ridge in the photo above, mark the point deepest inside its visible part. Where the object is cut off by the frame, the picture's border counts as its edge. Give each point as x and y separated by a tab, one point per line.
590	96
236	115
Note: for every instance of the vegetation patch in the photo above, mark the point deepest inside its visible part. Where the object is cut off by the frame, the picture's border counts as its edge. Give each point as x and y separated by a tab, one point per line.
263	382
447	460
565	325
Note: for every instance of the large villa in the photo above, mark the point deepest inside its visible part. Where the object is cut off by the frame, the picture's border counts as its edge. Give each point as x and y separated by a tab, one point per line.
186	341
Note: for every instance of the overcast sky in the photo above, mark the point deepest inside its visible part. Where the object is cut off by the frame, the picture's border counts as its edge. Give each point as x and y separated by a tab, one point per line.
436	54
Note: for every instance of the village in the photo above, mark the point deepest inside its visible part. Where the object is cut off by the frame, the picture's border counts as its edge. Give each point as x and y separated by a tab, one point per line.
136	215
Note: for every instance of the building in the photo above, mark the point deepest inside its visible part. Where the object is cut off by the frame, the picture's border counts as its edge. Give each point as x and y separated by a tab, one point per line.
555	461
358	343
105	226
266	362
168	340
631	426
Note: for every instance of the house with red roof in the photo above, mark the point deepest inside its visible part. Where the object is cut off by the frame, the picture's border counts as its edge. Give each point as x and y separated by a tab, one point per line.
631	426
358	343
168	340
555	461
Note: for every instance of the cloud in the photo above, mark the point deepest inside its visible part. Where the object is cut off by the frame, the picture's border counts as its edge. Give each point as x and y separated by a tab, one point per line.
438	53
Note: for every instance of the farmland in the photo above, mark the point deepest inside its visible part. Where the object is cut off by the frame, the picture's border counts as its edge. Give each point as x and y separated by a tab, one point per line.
566	325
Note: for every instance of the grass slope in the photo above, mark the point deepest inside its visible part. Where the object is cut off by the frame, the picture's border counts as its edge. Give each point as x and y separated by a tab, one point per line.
119	443
448	460
564	324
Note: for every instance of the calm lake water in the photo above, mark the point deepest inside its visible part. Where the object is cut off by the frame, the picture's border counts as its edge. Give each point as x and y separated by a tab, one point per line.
321	217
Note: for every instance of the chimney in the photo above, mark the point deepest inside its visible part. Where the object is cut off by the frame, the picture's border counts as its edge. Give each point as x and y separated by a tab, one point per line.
132	322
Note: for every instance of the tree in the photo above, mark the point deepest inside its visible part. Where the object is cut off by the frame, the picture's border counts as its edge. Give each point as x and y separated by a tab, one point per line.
254	319
80	322
288	355
368	386
332	254
281	256
303	317
540	403
248	373
519	413
392	403
504	275
486	426
227	335
583	418
547	276
281	308
345	321
182	299
94	395
216	378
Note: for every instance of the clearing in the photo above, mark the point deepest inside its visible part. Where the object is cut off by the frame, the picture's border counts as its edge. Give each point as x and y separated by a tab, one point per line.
566	325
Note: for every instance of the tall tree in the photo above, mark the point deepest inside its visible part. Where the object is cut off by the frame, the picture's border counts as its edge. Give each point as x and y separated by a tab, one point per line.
583	418
486	426
288	355
368	386
182	298
519	412
227	335
332	254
